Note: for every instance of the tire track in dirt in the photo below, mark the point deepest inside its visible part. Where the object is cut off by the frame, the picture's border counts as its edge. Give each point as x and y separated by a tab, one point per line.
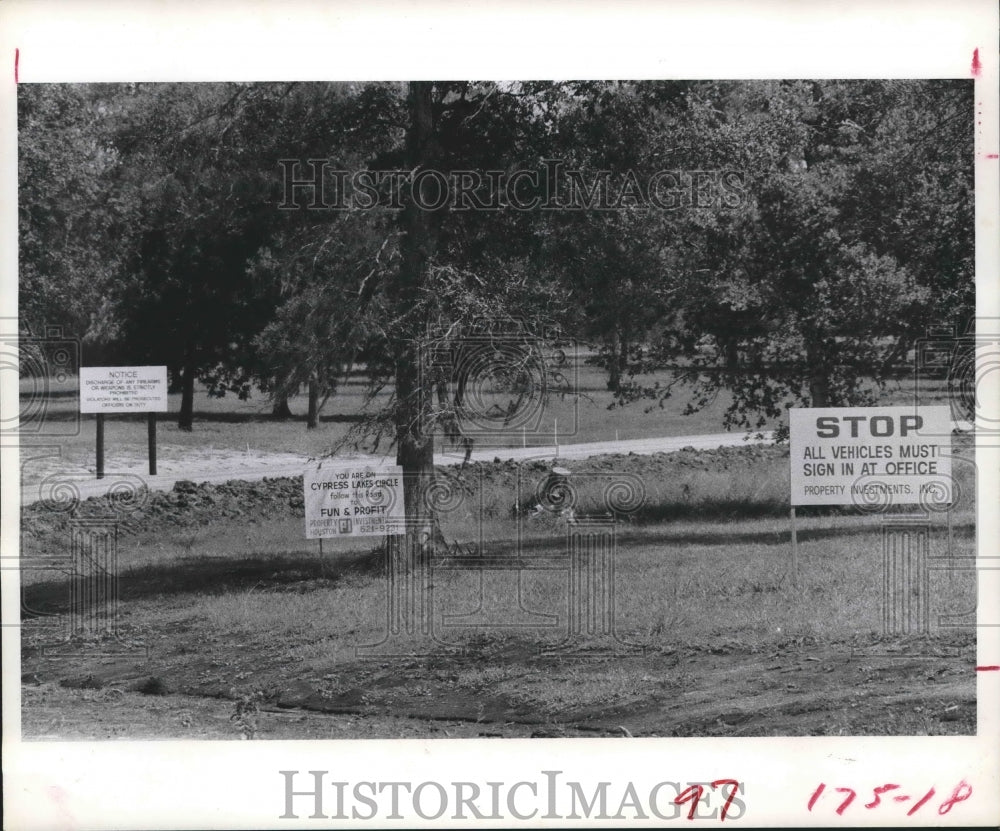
825	689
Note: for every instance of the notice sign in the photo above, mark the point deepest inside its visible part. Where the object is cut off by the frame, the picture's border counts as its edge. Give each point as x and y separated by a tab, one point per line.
353	502
871	456
123	389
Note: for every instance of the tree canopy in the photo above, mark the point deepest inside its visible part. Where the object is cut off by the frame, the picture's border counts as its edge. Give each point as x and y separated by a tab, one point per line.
786	241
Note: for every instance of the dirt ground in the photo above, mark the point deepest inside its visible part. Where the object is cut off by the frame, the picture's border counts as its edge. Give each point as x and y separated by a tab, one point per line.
882	687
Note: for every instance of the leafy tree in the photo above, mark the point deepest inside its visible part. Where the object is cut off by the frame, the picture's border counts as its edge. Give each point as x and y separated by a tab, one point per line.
813	290
201	163
68	213
198	212
614	245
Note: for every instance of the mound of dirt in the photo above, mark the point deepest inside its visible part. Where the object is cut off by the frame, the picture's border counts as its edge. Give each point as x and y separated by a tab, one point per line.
191	504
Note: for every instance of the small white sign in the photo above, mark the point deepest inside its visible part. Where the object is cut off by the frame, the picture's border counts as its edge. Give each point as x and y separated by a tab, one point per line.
869	456
123	389
353	502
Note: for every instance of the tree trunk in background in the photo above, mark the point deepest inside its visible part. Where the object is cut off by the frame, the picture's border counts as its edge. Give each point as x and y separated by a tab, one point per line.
732	352
280	408
819	395
618	359
312	415
185	420
622	354
819	382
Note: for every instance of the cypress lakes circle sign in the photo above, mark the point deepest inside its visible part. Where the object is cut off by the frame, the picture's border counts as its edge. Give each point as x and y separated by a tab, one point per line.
870	456
353	502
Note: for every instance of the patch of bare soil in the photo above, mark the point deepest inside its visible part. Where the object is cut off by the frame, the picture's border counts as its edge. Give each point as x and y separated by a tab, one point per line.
510	689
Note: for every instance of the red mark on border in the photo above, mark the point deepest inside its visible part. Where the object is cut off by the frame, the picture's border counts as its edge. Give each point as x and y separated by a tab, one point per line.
851	793
732	794
993	156
920	804
977	67
989	668
963	790
816	794
17	60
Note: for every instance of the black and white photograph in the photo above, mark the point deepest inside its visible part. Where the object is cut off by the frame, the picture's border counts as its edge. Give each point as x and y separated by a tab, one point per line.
462	412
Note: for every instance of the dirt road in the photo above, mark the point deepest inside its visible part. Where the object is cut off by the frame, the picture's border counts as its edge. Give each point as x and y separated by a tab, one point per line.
900	687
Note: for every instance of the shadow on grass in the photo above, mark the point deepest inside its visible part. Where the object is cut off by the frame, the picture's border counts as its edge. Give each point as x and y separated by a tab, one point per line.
301	571
53	394
638	535
209	575
783	537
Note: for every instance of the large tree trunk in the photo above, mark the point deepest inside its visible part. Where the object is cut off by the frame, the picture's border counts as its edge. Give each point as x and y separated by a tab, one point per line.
414	430
312	414
185	420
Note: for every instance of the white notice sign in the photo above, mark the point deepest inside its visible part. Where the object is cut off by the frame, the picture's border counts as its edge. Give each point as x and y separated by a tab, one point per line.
354	502
123	389
870	456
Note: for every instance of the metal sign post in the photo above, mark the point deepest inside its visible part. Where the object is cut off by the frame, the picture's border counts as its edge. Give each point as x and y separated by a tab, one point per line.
795	550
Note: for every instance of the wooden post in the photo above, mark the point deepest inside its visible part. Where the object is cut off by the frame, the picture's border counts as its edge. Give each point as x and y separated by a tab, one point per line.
151	437
100	445
555	434
795	550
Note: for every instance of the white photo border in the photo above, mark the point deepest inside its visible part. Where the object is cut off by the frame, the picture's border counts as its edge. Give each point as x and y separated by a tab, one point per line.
183	784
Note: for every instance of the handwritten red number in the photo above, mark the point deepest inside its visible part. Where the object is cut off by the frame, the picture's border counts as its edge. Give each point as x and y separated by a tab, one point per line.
923	799
692	795
962	792
732	794
850	798
878	793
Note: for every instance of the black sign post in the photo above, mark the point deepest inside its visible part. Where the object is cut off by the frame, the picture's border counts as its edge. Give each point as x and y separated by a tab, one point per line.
151	435
100	445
